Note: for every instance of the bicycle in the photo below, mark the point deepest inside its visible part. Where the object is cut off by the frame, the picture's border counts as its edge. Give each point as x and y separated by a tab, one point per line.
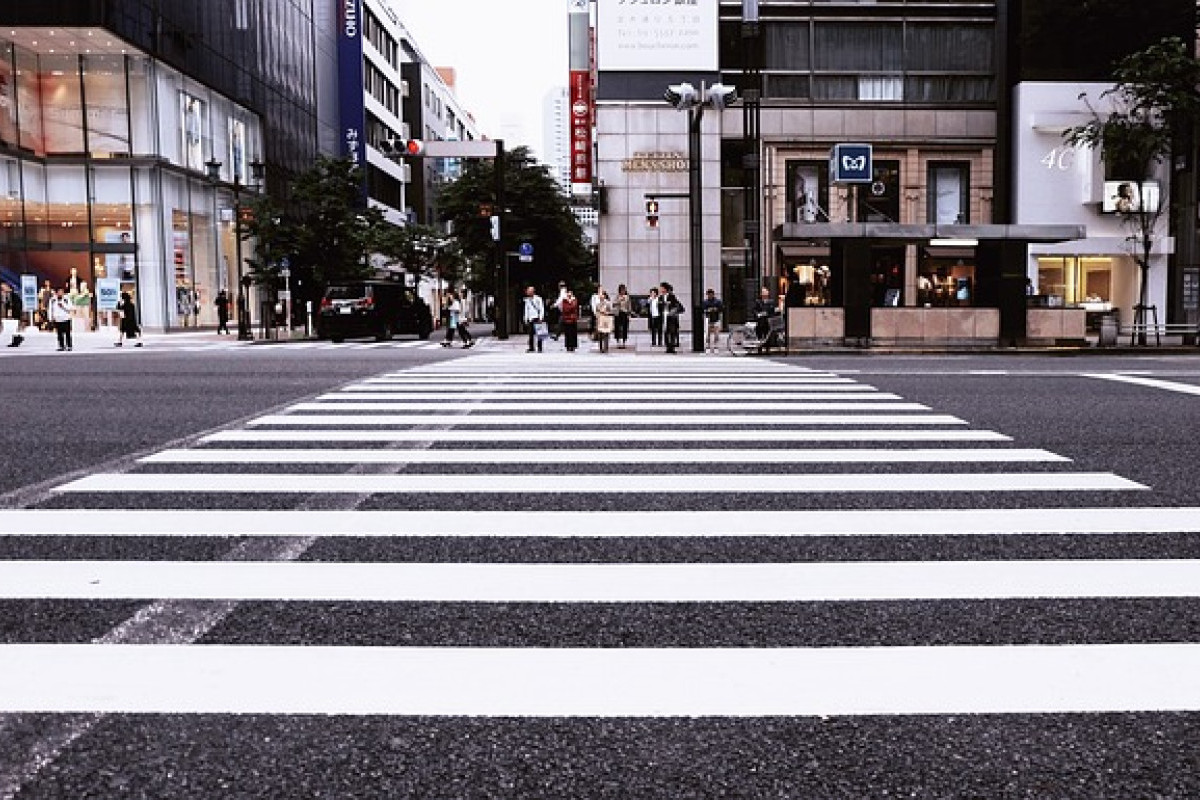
744	340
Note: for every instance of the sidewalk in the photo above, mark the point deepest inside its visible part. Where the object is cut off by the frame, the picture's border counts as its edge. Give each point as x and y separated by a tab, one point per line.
99	340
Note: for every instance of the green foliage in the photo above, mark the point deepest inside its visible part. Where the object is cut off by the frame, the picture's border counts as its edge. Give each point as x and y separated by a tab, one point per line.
332	231
421	250
535	211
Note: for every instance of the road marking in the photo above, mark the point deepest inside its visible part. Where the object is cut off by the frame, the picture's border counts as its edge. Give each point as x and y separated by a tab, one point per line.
601	456
596	484
1153	383
452	402
596	583
577	435
573	397
67	522
642	419
598	682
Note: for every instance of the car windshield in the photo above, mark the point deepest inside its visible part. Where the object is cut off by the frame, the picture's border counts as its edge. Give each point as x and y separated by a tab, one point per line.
351	291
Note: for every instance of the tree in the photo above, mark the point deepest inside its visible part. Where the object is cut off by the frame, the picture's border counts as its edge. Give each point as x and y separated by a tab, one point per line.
1154	106
535	211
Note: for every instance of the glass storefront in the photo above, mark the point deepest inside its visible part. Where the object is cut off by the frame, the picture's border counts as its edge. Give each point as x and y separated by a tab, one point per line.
103	176
1100	285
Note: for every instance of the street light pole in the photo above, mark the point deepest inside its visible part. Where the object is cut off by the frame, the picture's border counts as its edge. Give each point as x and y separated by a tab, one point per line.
214	175
684	97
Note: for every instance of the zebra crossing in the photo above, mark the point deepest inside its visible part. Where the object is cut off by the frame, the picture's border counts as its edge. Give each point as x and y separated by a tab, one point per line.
642	460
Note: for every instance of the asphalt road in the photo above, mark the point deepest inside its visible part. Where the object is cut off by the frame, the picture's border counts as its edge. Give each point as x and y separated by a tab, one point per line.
73	418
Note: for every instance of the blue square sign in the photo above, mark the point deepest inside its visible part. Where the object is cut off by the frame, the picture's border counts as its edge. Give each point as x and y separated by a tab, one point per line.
850	163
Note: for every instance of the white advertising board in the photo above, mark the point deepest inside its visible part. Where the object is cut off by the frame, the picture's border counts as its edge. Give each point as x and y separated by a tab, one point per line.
656	35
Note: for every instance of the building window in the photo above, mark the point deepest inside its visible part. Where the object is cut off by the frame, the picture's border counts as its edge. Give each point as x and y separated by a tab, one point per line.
948	194
879	200
807	185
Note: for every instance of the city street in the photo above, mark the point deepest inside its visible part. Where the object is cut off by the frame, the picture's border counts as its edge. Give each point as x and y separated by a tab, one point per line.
398	570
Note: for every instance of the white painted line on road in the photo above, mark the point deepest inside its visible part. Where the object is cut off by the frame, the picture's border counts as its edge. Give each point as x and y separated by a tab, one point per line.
541	421
579	455
597	484
572	397
1153	383
598	682
452	402
621	380
861	581
55	522
577	435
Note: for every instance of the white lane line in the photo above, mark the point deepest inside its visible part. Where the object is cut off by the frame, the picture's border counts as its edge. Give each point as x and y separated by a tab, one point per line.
577	435
596	484
452	402
1153	383
299	581
55	522
625	420
620	380
579	455
572	397
598	682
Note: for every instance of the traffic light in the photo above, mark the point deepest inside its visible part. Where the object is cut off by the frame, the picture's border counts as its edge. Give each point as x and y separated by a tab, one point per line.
652	214
395	148
414	147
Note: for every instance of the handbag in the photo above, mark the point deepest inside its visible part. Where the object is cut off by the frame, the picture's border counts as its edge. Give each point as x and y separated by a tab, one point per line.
541	330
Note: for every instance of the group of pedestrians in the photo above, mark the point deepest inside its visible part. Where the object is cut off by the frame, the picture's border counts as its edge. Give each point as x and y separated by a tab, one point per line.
60	313
612	317
455	321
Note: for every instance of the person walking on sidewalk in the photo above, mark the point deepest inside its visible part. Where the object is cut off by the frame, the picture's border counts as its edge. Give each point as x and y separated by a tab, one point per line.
222	305
450	312
623	308
129	328
713	309
59	309
463	333
534	317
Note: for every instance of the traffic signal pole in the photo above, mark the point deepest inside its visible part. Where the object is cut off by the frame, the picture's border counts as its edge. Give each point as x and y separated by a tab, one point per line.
502	299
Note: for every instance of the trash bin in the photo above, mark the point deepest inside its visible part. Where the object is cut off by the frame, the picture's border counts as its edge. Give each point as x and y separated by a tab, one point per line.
1108	331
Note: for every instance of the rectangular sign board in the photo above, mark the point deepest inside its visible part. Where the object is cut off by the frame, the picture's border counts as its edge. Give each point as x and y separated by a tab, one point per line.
851	163
649	35
108	293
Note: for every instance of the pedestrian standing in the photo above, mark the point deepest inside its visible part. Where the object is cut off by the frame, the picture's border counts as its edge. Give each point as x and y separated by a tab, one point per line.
59	308
554	313
604	321
15	308
713	309
450	312
222	305
669	309
128	328
463	333
656	319
570	321
623	309
534	316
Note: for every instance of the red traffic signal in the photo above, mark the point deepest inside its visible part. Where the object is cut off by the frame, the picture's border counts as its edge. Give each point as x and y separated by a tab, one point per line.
414	147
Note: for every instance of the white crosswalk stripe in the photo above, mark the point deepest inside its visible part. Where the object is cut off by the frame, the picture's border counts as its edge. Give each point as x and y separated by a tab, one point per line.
496	448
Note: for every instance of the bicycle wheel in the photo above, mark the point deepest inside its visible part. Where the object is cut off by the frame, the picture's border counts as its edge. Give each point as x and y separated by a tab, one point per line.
737	342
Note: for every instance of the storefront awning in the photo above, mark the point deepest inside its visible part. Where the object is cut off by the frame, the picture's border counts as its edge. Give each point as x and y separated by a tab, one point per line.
808	232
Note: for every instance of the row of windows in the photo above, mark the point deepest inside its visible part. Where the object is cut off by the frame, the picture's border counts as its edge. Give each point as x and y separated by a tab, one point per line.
380	39
381	88
948	192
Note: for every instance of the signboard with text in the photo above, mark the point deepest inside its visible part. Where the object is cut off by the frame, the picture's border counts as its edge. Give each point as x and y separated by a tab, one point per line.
29	293
581	127
351	102
650	35
108	293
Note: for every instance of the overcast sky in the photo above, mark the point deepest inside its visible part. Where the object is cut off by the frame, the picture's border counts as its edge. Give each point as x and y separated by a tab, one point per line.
507	54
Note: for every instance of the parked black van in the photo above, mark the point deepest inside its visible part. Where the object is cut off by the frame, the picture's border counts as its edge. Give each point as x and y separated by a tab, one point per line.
382	309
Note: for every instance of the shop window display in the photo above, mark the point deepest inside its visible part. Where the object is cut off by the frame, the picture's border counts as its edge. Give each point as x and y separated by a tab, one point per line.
942	284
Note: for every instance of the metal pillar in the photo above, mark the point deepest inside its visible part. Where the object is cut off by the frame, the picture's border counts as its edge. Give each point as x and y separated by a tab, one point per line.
696	226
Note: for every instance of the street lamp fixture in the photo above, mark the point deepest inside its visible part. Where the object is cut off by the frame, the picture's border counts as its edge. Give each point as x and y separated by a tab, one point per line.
213	168
685	97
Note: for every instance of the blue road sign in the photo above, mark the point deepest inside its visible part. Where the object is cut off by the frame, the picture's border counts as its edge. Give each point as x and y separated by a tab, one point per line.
850	163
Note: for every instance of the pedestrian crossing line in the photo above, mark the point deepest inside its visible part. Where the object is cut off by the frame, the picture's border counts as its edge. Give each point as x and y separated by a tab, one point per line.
598	682
641	419
885	522
1153	383
596	484
622	379
448	404
490	395
578	436
859	581
578	455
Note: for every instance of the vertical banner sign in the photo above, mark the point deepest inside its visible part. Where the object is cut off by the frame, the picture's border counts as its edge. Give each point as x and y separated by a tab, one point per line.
580	95
351	102
108	292
29	293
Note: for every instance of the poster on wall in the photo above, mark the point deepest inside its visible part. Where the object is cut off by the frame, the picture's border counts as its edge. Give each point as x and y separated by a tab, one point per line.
807	191
191	118
639	37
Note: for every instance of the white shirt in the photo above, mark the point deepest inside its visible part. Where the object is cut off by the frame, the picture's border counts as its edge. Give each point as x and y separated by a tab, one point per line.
653	303
60	309
535	309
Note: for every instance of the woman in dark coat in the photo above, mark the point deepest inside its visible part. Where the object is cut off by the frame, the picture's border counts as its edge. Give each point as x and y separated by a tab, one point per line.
129	328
